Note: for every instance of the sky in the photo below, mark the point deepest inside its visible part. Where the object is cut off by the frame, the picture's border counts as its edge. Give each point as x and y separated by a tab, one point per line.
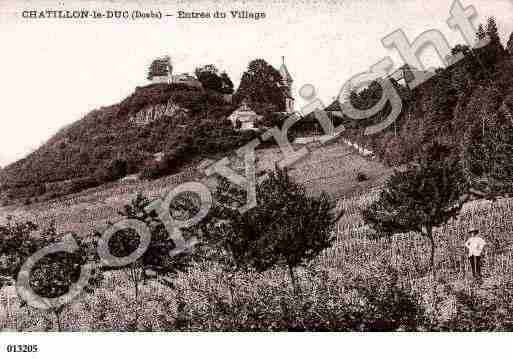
54	71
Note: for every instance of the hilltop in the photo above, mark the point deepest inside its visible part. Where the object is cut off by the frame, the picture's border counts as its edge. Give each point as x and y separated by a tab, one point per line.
114	141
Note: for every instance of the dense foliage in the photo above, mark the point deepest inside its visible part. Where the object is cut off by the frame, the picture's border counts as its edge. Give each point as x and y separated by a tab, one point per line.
53	275
261	87
212	79
457	107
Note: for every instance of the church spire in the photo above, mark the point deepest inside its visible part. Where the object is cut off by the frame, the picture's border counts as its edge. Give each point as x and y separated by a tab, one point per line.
287	86
284	72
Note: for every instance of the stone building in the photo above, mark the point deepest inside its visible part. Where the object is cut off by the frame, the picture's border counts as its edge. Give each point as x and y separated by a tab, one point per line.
186	79
244	117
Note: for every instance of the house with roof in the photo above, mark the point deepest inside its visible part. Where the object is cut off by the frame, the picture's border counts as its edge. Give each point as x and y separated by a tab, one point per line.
244	118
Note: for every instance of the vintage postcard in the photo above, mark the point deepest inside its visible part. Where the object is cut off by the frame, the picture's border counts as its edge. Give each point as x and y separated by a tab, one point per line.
256	166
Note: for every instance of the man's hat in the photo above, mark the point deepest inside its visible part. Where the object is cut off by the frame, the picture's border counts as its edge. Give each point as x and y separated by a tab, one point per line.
473	229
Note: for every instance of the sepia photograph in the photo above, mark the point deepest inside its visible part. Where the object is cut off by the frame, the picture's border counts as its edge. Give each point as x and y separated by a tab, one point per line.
255	166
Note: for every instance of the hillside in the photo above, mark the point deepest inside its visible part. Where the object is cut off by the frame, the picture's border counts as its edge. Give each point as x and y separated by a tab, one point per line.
331	284
113	141
466	104
332	168
154	132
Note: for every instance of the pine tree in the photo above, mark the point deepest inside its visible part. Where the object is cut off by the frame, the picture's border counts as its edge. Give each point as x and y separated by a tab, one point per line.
493	32
421	198
489	159
481	33
489	55
494	50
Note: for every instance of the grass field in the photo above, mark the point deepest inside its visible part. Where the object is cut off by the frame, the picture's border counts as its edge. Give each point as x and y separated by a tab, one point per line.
206	298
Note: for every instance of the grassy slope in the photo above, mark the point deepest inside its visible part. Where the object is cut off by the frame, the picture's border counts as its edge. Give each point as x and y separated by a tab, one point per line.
332	169
80	155
354	255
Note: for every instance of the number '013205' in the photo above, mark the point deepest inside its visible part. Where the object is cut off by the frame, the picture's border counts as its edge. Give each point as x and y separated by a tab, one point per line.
21	348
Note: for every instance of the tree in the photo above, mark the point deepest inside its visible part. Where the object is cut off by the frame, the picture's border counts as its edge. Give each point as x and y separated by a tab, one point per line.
227	84
53	275
212	79
157	257
493	32
209	78
481	33
421	198
261	84
115	170
489	159
16	245
490	54
286	227
465	70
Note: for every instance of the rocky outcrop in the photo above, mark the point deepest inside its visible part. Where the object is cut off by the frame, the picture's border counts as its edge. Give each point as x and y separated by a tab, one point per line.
154	113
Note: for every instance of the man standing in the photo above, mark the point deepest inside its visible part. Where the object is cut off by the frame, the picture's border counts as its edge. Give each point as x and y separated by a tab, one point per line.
475	245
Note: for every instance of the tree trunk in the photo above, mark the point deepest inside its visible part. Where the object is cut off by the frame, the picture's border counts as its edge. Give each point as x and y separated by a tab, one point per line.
229	282
58	317
429	231
136	278
136	282
295	284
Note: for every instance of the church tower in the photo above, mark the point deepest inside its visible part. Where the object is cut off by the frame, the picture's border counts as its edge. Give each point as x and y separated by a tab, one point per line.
287	86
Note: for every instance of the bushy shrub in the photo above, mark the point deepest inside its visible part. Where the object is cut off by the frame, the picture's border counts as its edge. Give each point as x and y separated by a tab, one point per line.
171	163
113	171
479	310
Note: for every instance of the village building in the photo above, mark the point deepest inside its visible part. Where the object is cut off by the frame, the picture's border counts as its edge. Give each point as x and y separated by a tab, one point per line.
244	117
186	79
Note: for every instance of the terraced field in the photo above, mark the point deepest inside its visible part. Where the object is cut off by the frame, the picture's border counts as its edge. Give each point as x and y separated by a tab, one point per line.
356	256
332	168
